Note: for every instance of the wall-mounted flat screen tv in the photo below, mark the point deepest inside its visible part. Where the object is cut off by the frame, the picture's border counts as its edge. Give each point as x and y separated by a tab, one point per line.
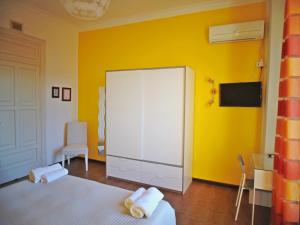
247	94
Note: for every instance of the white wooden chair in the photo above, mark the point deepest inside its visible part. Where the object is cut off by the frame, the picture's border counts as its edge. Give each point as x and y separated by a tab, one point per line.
245	184
76	142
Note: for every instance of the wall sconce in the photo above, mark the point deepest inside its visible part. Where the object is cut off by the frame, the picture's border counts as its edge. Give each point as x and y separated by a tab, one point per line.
213	91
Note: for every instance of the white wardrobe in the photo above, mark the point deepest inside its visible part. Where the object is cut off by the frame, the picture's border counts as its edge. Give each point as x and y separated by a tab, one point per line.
21	104
149	126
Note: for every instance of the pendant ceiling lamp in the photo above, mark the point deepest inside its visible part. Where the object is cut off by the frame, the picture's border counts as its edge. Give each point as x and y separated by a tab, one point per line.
86	9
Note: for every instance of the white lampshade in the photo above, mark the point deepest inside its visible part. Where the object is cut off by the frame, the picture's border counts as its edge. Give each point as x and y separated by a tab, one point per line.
86	9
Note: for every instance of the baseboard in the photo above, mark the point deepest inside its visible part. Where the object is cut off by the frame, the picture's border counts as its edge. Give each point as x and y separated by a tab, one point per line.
93	160
13	181
215	183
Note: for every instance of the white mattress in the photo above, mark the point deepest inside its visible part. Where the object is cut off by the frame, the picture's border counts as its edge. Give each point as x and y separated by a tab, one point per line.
72	201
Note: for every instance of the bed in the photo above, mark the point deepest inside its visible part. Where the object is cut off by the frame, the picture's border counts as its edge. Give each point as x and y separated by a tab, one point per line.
73	201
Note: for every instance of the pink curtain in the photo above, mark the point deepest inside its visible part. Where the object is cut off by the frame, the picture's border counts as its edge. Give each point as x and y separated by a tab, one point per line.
286	184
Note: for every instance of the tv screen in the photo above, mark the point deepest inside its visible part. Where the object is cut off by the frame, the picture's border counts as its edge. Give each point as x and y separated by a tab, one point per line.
246	94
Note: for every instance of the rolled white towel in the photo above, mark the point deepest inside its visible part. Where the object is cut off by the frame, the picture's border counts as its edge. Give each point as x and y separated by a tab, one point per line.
54	175
133	197
36	174
147	203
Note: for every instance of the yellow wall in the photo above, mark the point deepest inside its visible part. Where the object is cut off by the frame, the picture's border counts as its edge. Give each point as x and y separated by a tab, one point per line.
220	133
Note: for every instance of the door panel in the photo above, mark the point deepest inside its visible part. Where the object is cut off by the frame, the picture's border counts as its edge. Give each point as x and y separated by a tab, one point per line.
7	129
24	51
26	83
28	127
17	159
124	168
162	175
163	115
6	85
124	113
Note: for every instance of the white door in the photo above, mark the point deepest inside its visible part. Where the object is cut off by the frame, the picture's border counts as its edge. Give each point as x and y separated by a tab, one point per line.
163	115
20	145
124	107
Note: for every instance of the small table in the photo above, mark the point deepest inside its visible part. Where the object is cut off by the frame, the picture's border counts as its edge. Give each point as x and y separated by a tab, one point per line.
263	175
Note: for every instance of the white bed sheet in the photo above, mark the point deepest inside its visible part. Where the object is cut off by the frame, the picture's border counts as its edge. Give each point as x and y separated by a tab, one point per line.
72	201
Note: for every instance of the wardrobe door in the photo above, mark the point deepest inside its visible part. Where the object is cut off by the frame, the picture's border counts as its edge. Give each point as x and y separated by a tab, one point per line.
124	113
163	115
20	141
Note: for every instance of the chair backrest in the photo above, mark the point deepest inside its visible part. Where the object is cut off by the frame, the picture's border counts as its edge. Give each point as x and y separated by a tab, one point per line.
242	163
76	133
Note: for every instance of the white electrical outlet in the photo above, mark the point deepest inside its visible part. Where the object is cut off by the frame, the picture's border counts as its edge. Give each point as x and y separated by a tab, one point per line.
260	63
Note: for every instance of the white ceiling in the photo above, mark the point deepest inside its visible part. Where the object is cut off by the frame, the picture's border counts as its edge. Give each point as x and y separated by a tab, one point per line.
128	11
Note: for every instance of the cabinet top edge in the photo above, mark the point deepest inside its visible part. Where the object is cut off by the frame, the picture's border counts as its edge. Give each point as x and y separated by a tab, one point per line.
149	68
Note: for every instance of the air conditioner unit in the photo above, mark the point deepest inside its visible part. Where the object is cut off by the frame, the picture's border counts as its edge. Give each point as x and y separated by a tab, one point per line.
237	32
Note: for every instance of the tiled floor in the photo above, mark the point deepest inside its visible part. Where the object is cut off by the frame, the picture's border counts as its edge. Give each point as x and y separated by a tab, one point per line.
203	203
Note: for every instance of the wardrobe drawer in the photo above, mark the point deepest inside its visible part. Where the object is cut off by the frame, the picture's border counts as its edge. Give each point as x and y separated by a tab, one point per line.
162	175
123	168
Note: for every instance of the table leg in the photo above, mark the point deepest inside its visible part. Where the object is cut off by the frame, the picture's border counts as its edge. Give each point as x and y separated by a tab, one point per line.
253	207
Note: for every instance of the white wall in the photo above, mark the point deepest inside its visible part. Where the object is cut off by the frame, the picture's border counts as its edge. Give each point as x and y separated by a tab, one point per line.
61	65
275	14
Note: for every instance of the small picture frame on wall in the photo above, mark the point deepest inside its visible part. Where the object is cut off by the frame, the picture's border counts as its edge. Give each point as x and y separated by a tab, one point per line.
66	94
55	92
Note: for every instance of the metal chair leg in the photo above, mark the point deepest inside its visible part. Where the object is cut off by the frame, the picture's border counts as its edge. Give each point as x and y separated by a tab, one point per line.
240	198
253	207
239	192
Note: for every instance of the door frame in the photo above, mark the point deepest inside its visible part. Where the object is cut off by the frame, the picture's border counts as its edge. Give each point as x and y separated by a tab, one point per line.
39	51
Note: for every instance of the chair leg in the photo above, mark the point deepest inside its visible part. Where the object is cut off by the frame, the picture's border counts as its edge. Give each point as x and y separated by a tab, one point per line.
86	162
69	156
239	201
63	160
253	207
239	192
